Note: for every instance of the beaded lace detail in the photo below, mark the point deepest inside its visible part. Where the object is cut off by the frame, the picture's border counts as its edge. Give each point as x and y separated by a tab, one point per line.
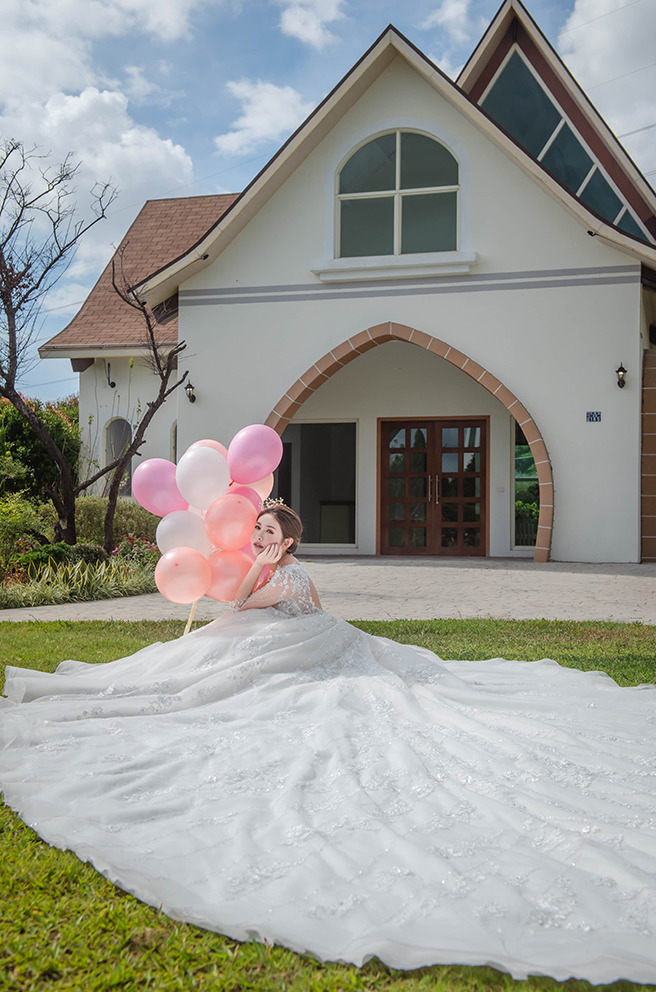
288	590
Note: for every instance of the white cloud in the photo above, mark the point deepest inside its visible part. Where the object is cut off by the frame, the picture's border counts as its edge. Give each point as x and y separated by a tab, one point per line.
269	113
307	20
139	89
453	17
53	96
48	44
608	48
109	146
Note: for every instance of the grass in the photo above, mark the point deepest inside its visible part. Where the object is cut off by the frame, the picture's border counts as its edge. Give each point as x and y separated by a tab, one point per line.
64	928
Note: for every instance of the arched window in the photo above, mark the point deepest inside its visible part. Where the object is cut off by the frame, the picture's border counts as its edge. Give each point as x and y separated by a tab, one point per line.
398	195
118	435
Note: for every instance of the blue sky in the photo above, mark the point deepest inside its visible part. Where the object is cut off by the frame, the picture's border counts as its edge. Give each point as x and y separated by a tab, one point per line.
181	97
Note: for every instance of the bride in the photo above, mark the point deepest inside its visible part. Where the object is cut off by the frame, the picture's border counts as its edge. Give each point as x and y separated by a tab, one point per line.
279	775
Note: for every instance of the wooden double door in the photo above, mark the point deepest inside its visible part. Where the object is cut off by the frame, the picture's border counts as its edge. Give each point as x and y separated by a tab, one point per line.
433	487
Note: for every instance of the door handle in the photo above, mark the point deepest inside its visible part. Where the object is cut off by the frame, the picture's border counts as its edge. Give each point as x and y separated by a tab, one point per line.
429	488
437	489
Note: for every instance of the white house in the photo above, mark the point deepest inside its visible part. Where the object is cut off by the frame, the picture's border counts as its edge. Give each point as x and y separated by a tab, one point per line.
428	292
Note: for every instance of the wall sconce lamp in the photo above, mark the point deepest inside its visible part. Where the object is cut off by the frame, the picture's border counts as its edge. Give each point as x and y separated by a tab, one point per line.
621	376
108	373
189	390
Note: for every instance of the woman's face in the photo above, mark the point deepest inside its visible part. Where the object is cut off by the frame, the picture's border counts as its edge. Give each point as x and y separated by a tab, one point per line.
267	531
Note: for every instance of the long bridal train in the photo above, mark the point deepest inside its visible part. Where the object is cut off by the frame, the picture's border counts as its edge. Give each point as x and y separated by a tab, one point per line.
280	775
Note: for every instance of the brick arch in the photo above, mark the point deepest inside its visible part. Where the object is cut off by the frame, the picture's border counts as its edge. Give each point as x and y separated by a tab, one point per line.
344	353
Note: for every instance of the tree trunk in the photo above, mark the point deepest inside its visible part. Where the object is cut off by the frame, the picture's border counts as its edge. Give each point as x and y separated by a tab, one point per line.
112	498
64	503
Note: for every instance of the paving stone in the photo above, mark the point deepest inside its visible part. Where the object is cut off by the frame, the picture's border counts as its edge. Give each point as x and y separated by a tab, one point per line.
381	588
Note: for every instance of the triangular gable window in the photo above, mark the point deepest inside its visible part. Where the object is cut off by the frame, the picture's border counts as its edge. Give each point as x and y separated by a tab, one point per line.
518	102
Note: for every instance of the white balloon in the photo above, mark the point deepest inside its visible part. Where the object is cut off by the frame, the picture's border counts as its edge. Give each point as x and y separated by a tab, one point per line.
182	529
202	476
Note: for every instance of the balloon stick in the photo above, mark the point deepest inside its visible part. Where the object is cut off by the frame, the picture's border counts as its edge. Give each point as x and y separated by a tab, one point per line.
191	617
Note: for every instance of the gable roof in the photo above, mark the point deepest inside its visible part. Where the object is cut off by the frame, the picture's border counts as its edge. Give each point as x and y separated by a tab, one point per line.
162	230
512	26
162	282
171	240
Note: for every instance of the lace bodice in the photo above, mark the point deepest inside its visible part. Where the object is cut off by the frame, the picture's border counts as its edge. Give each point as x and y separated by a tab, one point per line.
288	590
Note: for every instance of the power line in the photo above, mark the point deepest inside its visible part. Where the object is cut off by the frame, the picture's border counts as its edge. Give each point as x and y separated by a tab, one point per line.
176	189
54	382
582	24
623	76
637	130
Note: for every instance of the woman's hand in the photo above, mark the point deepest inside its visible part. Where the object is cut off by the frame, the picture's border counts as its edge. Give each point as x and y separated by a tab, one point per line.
271	555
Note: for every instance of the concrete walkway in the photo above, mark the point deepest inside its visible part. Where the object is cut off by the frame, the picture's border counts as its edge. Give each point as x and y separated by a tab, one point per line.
377	588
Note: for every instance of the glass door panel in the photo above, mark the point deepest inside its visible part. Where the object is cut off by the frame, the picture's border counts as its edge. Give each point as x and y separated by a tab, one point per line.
405	491
461	509
433	487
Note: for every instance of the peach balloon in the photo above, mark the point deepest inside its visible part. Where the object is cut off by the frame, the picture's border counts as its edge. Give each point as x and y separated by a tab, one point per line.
208	443
182	575
234	489
264	486
229	522
228	570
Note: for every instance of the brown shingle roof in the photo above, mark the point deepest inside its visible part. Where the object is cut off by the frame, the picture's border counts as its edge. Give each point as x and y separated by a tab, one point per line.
163	230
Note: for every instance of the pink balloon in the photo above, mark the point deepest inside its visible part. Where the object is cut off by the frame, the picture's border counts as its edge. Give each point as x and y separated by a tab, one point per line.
183	575
228	570
248	550
263	486
207	443
254	453
248	492
155	488
263	579
229	522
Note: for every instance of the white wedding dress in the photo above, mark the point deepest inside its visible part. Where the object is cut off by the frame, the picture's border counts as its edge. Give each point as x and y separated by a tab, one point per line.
279	775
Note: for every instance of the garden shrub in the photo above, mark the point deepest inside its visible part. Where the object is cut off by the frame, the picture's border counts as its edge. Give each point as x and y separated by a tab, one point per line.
31	467
41	556
19	523
90	512
137	551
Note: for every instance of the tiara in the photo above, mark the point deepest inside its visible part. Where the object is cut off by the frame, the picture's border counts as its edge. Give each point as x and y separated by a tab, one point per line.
268	503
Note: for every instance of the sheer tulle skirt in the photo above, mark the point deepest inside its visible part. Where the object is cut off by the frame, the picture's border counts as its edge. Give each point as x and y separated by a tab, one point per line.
296	780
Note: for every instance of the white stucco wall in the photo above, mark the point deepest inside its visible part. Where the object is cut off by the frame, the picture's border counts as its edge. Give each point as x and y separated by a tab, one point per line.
399	380
100	403
548	310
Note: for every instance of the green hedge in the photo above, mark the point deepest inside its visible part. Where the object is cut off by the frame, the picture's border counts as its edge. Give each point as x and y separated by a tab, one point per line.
58	554
90	512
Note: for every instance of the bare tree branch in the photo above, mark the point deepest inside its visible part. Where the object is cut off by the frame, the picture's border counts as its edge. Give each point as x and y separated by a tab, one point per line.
39	231
163	365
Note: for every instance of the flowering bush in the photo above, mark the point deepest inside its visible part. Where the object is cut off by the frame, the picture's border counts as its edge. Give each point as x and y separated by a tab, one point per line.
136	550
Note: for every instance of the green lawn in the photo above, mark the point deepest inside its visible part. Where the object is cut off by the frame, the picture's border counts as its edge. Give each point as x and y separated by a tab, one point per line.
64	928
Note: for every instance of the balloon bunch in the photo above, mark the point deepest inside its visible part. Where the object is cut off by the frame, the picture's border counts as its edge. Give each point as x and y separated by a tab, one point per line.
208	503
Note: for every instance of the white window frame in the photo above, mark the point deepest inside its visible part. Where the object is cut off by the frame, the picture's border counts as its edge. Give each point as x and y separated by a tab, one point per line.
333	268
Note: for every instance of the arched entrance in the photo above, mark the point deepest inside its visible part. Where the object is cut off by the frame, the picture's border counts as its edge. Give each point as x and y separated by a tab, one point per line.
360	343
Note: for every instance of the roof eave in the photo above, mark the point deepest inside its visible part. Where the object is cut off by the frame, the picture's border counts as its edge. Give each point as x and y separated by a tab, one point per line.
127	350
